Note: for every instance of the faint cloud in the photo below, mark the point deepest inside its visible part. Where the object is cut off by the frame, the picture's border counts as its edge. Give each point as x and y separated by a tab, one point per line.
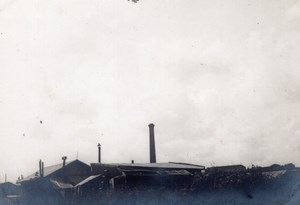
5	4
294	12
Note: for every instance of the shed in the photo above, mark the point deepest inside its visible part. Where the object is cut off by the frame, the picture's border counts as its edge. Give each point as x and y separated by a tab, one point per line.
8	188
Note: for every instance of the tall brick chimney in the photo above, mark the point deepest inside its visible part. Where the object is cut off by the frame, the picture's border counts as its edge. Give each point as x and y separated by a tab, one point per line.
152	144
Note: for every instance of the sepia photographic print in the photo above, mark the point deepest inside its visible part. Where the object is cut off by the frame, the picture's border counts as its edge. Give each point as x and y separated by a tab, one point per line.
149	102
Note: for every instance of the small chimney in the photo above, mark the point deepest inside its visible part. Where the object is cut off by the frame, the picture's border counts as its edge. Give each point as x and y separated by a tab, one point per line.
64	158
152	144
99	153
132	161
5	177
40	168
42	175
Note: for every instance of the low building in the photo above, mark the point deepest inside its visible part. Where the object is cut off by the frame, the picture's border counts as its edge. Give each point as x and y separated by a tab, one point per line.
9	193
126	176
54	182
8	188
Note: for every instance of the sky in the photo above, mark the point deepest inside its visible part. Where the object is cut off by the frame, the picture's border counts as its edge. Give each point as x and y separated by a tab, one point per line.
219	79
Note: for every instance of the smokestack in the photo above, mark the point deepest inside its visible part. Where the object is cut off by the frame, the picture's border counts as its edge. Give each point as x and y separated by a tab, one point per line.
99	153
5	177
152	144
64	158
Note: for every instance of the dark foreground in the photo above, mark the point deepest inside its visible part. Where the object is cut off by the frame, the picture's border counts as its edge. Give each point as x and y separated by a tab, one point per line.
249	187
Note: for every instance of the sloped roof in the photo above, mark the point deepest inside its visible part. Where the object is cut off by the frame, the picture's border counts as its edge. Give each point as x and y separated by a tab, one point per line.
61	185
87	180
76	179
48	171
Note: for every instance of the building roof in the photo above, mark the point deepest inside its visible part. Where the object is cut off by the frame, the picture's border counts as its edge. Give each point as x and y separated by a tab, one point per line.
169	165
178	173
87	180
8	184
49	170
229	168
61	185
140	172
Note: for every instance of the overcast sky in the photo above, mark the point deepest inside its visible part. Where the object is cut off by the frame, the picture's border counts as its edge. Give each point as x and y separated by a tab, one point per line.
219	79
